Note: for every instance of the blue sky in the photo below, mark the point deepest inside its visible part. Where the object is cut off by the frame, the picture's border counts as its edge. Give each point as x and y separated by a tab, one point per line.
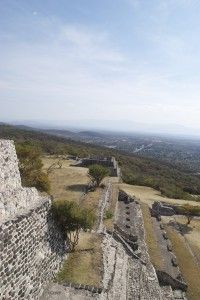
89	62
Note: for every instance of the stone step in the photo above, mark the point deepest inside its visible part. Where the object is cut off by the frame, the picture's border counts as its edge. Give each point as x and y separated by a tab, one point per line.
167	292
142	283
179	295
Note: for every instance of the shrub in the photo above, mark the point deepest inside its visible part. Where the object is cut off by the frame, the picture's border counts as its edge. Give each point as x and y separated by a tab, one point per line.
30	167
97	173
189	211
71	219
108	215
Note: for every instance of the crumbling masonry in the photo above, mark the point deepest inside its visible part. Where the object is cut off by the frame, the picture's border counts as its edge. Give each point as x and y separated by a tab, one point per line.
31	246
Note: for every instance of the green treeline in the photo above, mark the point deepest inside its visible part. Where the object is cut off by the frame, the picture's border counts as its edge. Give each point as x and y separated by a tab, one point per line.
167	178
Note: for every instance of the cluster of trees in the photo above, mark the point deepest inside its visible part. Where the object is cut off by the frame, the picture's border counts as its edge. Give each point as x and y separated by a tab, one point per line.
163	177
70	216
30	166
168	179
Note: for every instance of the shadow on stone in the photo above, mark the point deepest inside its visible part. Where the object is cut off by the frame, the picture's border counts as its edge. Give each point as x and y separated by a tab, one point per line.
77	187
55	237
181	228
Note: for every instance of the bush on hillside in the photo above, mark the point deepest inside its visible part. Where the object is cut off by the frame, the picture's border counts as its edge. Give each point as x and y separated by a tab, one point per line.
97	173
30	167
71	219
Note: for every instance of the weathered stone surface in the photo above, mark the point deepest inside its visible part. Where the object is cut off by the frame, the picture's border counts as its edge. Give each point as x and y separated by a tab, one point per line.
31	246
109	162
9	175
159	208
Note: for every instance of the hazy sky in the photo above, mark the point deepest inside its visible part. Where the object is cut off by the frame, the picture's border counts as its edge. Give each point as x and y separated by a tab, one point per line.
75	60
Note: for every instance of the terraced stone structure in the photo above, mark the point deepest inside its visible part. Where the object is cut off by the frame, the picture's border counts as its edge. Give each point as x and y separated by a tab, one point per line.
31	246
108	162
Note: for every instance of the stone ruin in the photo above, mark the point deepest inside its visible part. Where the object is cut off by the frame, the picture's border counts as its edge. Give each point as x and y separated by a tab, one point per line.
109	162
129	230
166	209
161	209
31	246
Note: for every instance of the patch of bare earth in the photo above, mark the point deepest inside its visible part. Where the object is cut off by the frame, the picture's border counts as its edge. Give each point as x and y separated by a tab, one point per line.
149	195
84	265
67	182
179	234
191	234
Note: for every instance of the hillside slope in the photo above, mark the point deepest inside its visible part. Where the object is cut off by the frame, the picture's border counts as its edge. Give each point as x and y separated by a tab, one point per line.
164	177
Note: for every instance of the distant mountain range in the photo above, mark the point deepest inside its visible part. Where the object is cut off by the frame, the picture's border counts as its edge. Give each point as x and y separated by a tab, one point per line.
118	126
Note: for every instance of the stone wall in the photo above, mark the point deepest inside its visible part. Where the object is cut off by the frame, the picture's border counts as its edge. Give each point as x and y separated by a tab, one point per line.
14	199
109	162
31	246
9	172
160	209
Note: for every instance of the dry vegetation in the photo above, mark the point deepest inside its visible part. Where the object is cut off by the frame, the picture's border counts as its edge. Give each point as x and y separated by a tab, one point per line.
191	234
67	182
171	180
186	247
84	266
187	263
150	238
149	195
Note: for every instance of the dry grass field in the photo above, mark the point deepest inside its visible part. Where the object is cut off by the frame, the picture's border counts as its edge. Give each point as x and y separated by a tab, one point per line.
191	234
150	238
84	266
186	245
148	195
67	182
187	263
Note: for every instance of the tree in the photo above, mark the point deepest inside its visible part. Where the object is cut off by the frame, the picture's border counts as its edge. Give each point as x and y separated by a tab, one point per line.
71	219
55	165
189	211
97	173
30	166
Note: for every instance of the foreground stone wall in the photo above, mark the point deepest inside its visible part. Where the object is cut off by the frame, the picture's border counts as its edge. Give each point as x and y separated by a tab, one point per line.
14	199
31	245
31	253
9	172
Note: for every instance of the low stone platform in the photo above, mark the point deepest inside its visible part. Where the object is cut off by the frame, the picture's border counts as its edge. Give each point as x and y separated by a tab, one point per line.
60	292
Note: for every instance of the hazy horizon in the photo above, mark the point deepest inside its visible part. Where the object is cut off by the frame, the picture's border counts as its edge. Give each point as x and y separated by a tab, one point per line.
110	127
126	65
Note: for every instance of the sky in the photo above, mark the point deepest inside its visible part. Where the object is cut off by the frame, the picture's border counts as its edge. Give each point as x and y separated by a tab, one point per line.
109	63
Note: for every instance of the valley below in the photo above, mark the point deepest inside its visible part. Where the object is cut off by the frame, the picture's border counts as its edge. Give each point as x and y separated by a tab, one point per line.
130	252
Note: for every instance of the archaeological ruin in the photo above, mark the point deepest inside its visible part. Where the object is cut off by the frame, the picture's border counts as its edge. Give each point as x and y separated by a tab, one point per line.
32	248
